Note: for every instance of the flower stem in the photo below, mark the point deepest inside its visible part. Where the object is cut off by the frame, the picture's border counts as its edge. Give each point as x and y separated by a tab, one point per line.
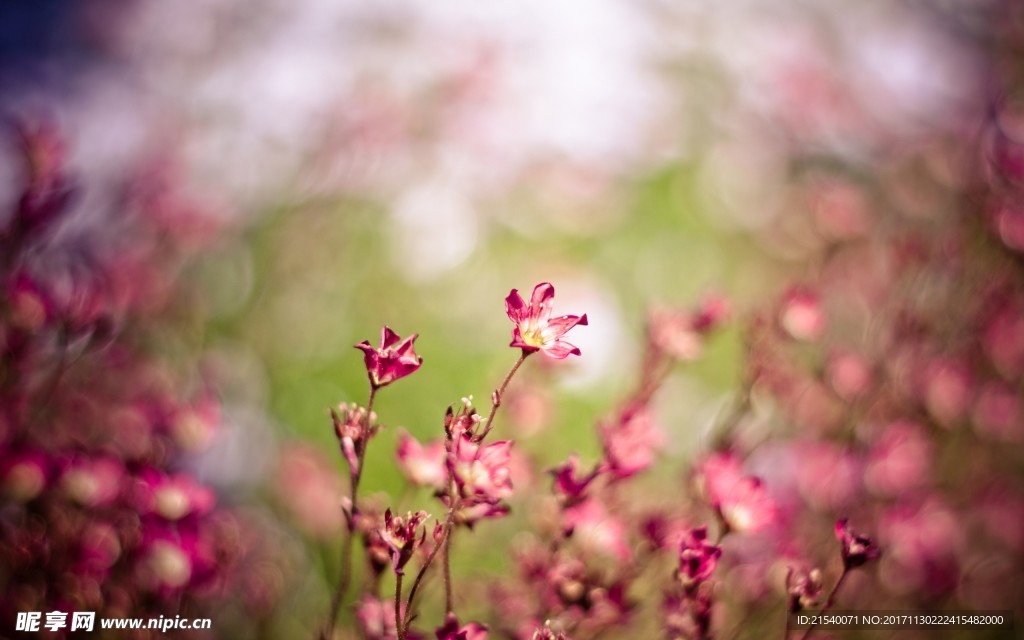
828	602
499	392
423	570
400	629
345	573
448	571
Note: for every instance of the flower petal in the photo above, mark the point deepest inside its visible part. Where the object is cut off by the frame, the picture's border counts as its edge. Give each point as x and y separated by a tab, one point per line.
540	301
387	337
514	306
559	350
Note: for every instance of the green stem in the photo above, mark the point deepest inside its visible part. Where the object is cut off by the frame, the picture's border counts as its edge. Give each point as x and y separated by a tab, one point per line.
345	574
499	392
400	629
828	603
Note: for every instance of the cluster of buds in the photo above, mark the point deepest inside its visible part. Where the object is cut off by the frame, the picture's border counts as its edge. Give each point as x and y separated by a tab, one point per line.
353	427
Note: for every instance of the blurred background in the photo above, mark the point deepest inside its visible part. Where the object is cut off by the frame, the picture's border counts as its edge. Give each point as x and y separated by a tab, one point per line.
335	166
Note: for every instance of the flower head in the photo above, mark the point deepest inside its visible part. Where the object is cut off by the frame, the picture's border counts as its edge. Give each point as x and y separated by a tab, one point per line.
395	358
402	536
697	558
857	549
452	631
353	429
422	464
804	588
535	329
481	471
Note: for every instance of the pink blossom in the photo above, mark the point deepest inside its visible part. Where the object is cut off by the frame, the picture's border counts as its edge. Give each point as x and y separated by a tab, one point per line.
630	443
93	482
804	587
24	476
395	358
423	465
546	633
947	391
535	329
173	497
681	334
377	618
746	506
741	500
849	374
309	486
856	549
597	529
451	630
481	472
568	485
997	413
697	558
900	461
403	536
801	316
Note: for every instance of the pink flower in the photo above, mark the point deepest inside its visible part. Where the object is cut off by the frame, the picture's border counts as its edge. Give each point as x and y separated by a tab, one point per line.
569	487
697	558
481	472
855	548
802	317
741	500
402	536
746	506
376	618
452	631
631	443
393	360
535	329
423	465
681	334
804	588
597	529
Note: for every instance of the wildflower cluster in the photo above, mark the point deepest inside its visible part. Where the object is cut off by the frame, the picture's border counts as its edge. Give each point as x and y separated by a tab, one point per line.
98	509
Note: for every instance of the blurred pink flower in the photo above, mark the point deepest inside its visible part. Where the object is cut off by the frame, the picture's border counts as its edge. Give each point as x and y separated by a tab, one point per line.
451	630
597	529
746	506
697	558
681	334
849	374
804	587
948	390
568	485
900	460
741	500
535	329
423	465
394	360
856	549
801	316
631	442
309	487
